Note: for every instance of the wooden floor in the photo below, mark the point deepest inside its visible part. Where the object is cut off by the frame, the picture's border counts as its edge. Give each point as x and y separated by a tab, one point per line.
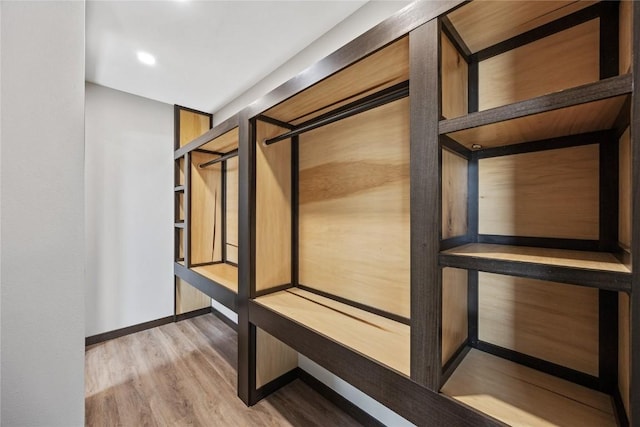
185	374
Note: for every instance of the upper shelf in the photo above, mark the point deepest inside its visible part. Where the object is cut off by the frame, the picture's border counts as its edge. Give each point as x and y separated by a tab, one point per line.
595	269
586	108
376	337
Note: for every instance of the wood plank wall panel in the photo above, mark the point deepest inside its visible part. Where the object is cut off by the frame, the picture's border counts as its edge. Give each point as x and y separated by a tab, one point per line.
625	33
192	125
180	171
624	191
380	70
273	209
232	210
354	208
455	73
502	20
454	311
527	72
454	195
551	193
273	358
551	321
624	359
189	298
206	210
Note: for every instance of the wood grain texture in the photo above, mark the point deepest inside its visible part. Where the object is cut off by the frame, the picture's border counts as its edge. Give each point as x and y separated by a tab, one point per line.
551	193
273	209
624	191
625	36
232	210
354	208
224	143
501	20
454	80
189	298
550	321
374	336
574	120
206	210
185	374
192	125
520	396
224	274
380	70
180	171
455	176
624	345
561	257
454	311
527	72
273	358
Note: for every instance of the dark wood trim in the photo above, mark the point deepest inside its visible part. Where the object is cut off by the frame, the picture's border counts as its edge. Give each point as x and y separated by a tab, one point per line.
186	242
452	364
635	245
624	118
598	137
193	110
454	147
473	198
295	209
176	127
608	280
230	323
223	209
426	289
191	314
608	340
213	153
106	336
608	195
273	289
454	37
222	128
246	257
202	264
609	34
473	91
367	308
603	89
540	32
618	409
398	25
277	384
222	294
345	405
453	242
541	242
418	404
473	302
541	365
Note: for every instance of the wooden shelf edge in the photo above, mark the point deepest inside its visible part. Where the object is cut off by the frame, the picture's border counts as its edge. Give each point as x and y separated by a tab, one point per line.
600	279
211	288
179	189
222	128
597	91
418	404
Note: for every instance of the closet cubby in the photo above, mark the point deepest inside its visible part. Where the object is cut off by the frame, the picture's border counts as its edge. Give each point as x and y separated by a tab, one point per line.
332	207
535	241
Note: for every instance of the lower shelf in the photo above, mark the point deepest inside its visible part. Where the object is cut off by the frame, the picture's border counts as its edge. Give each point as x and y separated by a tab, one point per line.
522	396
224	274
376	337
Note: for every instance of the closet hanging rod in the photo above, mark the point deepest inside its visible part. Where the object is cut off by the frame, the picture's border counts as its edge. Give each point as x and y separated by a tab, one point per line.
227	156
385	96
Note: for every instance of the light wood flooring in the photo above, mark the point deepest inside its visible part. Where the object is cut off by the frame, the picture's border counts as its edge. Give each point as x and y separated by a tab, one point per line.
184	374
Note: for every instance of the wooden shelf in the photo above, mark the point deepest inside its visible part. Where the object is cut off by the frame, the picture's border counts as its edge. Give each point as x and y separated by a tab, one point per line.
596	269
376	337
224	274
587	108
521	396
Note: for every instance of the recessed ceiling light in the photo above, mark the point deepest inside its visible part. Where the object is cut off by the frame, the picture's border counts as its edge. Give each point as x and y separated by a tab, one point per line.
146	58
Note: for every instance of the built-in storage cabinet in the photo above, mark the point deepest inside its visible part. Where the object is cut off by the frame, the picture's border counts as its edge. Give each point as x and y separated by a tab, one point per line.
535	232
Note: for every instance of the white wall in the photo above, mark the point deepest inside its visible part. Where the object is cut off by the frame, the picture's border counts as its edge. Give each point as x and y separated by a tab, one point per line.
357	23
41	176
129	209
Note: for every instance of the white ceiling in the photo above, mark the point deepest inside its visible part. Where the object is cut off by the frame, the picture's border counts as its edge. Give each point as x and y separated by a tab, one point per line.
207	52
